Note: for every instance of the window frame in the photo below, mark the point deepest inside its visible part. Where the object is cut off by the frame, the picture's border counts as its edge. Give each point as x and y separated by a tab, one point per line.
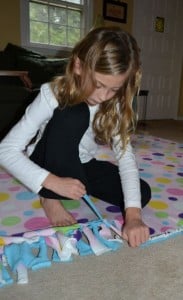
49	49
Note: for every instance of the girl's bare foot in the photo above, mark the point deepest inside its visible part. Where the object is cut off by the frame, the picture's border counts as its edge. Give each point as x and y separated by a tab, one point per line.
56	213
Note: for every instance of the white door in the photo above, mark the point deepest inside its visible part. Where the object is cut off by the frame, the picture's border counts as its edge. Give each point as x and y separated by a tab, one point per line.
161	54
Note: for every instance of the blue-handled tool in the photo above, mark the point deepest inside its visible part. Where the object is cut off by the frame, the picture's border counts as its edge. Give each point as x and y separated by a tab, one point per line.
98	214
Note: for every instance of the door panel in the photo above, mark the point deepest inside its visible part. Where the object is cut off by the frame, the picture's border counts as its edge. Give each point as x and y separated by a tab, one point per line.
161	54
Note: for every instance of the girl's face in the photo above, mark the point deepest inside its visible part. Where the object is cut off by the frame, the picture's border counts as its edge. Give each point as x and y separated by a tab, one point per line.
106	87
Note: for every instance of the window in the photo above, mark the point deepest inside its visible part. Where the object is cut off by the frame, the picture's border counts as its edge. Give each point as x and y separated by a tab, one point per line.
54	23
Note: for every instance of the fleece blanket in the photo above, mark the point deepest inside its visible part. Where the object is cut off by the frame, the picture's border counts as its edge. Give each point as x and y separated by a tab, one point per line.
160	163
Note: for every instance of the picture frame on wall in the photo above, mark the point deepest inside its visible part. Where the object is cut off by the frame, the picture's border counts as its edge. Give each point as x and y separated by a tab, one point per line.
115	11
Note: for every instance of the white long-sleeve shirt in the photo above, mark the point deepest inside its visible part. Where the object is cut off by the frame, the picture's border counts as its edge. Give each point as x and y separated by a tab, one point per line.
14	153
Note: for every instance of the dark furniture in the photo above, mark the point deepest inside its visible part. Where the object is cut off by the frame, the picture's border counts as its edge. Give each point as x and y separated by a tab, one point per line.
144	94
21	74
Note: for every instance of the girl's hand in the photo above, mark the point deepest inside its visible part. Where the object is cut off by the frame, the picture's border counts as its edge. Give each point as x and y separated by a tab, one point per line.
65	186
134	231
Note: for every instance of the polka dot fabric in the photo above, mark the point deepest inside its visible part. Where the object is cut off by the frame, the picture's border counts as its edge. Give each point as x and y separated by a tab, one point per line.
160	163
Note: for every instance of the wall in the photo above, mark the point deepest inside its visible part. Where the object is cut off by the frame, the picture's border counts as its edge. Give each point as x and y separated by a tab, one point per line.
9	22
180	110
98	12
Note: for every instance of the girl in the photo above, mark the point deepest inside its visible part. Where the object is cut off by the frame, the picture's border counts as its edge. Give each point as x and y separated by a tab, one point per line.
90	105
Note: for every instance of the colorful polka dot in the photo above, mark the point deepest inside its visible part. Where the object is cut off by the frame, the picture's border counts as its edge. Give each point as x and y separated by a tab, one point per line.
11	221
145	165
175	191
173	159
14	188
161	214
28	213
163	180
146	175
156	196
119	218
113	209
152	231
155	189
36	204
147	158
180	223
16	181
166	228
172	198
158	204
5	176
158	154
83	220
168	175
165	222
3	233
71	204
2	241
25	195
179	180
37	223
180	174
4	197
94	199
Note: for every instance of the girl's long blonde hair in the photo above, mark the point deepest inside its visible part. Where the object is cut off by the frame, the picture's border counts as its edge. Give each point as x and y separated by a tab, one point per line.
109	51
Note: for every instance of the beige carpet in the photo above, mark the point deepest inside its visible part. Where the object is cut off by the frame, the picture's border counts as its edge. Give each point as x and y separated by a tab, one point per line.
167	129
153	273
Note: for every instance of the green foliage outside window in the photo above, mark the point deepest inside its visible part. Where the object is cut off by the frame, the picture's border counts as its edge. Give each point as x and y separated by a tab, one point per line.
54	25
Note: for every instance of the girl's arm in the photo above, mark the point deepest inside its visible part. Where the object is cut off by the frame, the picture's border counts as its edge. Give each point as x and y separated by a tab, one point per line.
129	174
12	148
134	230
